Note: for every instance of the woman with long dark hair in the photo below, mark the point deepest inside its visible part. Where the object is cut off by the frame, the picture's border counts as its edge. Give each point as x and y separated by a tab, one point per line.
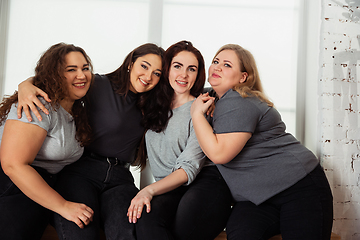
189	199
101	178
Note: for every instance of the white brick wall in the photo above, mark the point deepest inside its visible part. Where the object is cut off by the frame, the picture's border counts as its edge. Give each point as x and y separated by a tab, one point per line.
339	89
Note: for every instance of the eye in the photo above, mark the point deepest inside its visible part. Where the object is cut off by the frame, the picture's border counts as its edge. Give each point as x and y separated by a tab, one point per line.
215	62
70	70
86	69
192	69
227	65
144	66
157	74
177	66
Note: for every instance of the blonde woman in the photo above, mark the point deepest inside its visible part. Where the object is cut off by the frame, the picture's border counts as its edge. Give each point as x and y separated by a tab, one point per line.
278	185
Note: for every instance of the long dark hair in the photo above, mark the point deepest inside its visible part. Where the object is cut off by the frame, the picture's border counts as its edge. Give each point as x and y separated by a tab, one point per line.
159	110
171	52
164	94
49	77
120	78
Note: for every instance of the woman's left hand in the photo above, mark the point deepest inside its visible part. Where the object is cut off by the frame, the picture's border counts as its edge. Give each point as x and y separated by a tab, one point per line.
137	204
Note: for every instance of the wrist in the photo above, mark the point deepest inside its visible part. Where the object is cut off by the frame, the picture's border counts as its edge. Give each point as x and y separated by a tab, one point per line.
150	190
197	115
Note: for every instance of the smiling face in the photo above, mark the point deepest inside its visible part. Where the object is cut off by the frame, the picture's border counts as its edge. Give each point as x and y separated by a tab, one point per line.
183	72
224	72
145	73
78	76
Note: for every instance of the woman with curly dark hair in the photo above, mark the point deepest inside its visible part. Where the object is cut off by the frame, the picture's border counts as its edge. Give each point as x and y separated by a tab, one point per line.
118	104
32	154
190	199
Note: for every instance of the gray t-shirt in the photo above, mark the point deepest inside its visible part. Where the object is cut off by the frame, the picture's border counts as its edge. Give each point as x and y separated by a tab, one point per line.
176	147
271	161
60	147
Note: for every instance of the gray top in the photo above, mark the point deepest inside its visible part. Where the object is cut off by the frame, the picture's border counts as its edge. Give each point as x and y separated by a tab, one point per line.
271	161
175	147
60	147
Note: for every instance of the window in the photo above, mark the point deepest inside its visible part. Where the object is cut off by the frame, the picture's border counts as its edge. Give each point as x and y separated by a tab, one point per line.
109	29
266	28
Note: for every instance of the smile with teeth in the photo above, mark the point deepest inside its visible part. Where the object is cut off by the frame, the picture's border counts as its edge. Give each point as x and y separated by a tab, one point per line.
181	82
79	84
143	82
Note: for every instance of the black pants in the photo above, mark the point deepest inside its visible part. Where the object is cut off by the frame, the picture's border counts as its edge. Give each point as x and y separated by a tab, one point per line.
21	217
303	211
107	188
198	211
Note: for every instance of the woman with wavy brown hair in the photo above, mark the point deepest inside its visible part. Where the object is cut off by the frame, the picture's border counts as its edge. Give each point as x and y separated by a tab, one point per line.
119	104
33	153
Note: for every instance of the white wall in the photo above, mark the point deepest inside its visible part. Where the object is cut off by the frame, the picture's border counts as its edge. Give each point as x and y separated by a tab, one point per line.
101	29
339	97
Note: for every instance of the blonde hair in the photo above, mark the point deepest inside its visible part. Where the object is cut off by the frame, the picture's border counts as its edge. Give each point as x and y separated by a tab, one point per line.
252	84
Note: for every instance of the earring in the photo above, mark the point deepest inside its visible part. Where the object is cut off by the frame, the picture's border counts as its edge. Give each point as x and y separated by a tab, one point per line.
128	70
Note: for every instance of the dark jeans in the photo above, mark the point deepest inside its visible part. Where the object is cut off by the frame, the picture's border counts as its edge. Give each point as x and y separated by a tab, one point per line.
21	217
303	211
198	211
104	186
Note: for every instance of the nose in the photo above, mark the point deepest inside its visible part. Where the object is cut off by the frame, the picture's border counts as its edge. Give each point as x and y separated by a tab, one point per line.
183	73
80	74
148	75
217	67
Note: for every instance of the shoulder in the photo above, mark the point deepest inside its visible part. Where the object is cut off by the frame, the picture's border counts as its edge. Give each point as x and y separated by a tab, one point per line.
100	79
45	123
101	84
232	100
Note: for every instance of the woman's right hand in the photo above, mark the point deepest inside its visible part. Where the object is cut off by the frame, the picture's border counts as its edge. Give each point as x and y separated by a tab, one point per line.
142	198
27	98
78	213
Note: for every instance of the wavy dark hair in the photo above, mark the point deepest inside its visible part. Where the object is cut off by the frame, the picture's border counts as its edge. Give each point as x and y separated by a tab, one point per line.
49	77
120	80
148	101
160	108
165	93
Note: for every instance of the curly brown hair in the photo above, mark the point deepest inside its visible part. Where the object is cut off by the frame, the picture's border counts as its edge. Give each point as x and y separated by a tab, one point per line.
49	77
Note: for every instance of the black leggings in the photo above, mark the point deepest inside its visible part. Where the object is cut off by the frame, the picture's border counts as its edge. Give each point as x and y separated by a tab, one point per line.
198	211
303	211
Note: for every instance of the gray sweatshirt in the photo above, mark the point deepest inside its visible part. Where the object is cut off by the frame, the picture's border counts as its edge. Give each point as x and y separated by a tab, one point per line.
176	147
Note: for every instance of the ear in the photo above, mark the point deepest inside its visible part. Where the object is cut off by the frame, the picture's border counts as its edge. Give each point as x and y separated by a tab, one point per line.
130	66
244	76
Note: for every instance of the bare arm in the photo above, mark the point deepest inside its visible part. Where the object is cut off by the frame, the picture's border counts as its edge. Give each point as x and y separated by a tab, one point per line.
220	148
27	98
20	144
144	197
